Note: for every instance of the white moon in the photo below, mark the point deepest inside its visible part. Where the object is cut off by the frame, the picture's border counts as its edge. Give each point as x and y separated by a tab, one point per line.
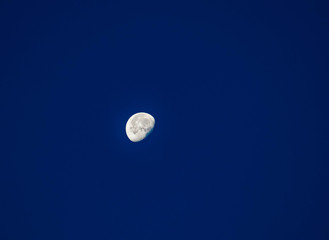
139	126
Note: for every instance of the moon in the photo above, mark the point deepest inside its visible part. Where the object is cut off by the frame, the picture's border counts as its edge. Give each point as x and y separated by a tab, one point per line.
139	126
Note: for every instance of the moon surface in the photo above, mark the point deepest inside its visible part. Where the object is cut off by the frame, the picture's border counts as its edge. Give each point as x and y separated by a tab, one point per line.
139	126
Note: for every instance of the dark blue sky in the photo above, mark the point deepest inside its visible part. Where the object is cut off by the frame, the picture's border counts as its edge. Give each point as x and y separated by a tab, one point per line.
239	91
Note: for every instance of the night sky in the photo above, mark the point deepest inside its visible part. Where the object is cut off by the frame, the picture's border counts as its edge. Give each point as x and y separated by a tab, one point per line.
240	94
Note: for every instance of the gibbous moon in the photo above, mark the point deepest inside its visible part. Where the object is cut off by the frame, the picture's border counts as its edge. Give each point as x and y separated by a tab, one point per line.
139	126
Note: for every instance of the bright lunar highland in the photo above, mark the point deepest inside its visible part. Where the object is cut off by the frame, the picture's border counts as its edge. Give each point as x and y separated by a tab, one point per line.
139	126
